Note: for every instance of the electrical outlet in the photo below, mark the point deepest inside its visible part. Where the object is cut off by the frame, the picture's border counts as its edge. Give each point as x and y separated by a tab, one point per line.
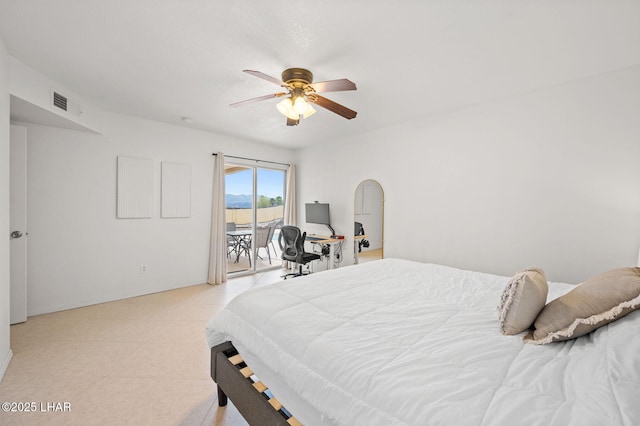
143	269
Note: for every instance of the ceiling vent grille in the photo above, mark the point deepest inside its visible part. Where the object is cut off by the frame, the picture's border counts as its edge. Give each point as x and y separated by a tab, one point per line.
60	101
69	105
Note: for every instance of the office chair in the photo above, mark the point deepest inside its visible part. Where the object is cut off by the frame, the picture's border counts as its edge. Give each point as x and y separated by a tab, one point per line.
359	230
293	248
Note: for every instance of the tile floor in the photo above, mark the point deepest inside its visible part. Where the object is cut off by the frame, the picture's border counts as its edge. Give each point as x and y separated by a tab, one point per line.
136	361
242	263
370	255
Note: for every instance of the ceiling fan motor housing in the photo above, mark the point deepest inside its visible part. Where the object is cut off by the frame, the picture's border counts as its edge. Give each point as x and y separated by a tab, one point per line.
297	75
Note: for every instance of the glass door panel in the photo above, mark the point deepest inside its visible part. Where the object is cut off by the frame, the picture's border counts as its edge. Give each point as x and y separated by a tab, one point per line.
239	201
254	214
270	186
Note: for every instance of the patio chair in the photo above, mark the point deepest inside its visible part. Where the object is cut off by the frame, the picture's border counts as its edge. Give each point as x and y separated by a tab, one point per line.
263	237
231	242
273	225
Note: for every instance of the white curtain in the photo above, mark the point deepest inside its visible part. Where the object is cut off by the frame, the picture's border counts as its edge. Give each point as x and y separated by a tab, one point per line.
290	203
218	250
290	197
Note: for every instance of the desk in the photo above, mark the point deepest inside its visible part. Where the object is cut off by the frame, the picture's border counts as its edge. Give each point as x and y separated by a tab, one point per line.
331	242
241	242
356	239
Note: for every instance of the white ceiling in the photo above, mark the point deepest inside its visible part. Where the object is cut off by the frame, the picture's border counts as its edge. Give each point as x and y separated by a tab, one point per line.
168	59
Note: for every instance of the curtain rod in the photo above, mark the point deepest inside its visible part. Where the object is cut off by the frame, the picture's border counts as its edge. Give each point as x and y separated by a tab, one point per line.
252	159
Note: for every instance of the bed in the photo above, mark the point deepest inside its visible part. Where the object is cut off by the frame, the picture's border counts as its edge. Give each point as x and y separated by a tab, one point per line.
395	342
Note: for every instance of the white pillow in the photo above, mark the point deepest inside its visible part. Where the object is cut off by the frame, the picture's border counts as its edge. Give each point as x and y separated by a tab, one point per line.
522	300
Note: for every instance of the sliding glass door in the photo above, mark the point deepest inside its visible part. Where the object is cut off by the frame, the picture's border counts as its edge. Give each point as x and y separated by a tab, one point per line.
254	214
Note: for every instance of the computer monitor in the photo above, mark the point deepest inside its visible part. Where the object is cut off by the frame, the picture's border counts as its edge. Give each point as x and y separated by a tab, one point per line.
318	213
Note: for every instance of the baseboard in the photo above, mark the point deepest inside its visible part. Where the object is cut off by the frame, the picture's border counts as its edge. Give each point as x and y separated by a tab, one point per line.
5	363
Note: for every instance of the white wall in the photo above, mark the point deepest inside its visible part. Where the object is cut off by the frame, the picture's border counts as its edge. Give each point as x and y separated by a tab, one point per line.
5	351
549	178
79	252
34	87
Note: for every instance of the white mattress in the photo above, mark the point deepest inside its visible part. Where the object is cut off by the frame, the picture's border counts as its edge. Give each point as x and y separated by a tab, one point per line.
395	342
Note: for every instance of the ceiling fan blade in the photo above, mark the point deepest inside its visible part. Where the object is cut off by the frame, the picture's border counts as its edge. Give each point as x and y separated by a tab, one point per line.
333	107
265	77
258	99
334	85
291	122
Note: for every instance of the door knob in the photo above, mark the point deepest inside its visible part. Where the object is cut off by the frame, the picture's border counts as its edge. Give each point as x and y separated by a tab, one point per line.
16	234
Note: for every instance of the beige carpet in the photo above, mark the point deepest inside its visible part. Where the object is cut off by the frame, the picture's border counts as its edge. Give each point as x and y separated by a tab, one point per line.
137	361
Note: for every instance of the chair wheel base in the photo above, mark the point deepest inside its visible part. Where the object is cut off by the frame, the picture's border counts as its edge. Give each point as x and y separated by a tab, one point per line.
295	274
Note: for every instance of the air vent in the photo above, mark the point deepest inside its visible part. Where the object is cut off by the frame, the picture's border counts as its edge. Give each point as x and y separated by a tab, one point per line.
59	101
64	103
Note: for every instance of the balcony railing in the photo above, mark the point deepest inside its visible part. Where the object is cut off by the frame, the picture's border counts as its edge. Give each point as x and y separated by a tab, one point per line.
242	217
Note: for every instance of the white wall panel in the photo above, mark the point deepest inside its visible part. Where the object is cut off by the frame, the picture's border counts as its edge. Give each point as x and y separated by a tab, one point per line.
135	187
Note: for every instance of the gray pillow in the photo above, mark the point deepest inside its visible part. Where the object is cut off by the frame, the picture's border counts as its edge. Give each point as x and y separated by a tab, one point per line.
596	302
522	300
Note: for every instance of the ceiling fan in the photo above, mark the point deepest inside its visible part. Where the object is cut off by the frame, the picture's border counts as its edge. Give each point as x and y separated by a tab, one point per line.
301	92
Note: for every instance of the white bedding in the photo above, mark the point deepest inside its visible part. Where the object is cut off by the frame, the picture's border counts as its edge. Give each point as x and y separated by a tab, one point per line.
395	342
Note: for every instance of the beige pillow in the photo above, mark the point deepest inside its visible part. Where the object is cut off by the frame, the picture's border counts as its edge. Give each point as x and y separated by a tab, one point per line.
522	300
598	301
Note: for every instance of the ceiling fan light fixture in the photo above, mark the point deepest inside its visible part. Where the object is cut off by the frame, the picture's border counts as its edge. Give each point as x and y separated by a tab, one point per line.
300	105
286	108
309	112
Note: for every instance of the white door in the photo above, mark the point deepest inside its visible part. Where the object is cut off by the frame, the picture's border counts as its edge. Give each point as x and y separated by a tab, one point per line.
18	220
